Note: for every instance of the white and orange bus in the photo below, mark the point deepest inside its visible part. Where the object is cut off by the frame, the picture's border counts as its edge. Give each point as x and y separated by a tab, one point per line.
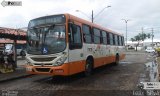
64	45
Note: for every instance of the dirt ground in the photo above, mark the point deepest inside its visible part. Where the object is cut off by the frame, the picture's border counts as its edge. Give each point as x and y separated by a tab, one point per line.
109	80
158	61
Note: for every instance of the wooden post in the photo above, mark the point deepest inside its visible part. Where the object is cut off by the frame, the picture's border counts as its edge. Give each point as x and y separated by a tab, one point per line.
15	52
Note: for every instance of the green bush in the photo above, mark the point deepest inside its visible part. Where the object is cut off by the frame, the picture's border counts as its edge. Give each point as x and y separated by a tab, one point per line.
158	49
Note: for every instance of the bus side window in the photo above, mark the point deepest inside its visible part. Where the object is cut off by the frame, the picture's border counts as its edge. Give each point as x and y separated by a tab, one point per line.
120	43
116	40
108	38
75	40
87	36
122	40
111	38
104	36
96	35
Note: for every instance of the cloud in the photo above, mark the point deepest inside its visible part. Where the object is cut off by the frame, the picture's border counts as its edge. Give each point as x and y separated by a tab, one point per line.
142	13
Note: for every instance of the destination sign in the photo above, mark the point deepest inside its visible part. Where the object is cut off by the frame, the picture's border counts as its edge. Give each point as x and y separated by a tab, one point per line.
47	20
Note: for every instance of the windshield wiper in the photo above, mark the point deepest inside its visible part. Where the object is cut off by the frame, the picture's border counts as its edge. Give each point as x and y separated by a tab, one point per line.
45	33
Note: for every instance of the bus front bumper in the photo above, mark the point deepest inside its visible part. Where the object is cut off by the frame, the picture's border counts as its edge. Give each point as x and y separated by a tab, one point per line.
48	70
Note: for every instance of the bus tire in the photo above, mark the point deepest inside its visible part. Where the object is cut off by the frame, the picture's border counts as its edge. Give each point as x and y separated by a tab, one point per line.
117	60
88	68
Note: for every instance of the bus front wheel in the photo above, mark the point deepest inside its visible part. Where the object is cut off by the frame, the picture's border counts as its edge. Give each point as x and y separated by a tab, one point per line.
88	68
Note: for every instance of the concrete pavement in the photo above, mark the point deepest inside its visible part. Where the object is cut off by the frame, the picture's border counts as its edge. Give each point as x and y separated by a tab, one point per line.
20	72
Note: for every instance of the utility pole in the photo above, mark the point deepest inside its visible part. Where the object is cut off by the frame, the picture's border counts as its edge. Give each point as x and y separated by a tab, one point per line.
142	34
126	21
152	36
142	37
92	16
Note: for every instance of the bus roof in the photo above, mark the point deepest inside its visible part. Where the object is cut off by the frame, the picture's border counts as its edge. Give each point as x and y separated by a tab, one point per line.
84	22
91	24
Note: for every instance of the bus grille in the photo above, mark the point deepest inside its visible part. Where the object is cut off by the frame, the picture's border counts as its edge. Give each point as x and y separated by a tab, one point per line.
43	59
43	69
45	64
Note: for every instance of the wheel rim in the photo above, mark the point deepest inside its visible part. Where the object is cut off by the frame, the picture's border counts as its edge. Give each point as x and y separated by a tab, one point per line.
117	59
88	69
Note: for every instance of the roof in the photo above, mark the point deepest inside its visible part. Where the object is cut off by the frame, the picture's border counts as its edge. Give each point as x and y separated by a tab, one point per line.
145	41
4	41
150	40
12	31
14	34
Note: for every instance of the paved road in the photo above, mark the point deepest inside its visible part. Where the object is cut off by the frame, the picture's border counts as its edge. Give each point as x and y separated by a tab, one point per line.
108	80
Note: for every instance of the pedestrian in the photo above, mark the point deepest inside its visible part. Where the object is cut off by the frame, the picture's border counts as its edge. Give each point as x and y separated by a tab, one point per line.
2	61
10	61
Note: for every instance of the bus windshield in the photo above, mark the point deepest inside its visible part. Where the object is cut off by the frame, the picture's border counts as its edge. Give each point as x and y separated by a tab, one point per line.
46	39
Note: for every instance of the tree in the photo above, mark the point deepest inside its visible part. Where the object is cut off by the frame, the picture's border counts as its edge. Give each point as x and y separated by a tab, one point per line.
140	37
132	39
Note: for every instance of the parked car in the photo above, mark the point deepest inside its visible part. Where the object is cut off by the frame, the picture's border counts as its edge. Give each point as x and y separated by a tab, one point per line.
150	50
9	50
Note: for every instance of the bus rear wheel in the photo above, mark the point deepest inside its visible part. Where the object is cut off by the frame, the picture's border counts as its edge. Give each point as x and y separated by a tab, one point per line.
117	60
88	68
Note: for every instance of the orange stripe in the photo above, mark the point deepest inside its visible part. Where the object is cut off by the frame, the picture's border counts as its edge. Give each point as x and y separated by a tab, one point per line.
103	61
64	67
76	67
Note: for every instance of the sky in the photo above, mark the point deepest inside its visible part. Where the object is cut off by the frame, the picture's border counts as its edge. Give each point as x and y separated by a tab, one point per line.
140	13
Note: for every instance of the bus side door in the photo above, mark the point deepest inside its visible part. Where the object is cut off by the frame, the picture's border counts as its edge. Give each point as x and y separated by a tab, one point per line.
75	49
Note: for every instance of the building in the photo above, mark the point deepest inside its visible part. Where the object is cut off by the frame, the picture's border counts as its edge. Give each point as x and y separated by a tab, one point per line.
11	36
143	44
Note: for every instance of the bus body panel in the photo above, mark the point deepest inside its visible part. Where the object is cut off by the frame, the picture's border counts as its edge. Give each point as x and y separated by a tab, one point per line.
59	70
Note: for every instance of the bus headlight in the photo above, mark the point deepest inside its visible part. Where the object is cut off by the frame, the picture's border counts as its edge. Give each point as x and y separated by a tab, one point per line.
60	61
28	69
28	63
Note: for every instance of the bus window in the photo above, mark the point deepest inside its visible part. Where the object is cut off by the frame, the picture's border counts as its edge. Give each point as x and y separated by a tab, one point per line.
87	37
75	37
108	38
116	40
122	40
96	36
114	43
111	38
119	41
104	36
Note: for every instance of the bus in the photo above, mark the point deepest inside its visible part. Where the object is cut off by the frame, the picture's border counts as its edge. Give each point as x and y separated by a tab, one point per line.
64	45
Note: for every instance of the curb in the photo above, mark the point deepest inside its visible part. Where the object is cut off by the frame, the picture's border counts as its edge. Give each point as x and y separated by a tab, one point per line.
14	78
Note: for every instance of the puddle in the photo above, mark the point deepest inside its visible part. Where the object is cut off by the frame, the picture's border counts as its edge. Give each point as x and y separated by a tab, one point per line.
124	62
152	68
151	74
